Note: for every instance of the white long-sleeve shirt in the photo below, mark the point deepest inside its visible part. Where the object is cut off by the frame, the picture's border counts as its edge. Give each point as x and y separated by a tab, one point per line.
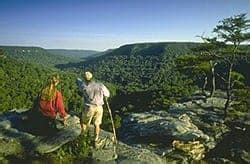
93	92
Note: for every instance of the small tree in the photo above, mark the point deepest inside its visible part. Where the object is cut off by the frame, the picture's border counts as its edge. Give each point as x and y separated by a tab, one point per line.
209	50
232	32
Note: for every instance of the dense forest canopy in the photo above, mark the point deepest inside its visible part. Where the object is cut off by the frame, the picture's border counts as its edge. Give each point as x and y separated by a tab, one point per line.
21	82
141	76
139	65
77	55
131	70
145	74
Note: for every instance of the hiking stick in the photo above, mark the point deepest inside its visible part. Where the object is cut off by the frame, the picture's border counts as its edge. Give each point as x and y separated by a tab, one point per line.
112	121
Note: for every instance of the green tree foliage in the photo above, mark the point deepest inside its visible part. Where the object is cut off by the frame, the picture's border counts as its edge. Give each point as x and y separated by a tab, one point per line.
76	149
208	52
20	83
196	67
75	55
243	100
238	80
140	71
235	31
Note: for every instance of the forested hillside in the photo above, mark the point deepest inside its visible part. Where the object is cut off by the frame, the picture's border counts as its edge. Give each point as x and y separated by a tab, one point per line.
35	55
21	81
145	70
147	75
77	55
144	73
137	66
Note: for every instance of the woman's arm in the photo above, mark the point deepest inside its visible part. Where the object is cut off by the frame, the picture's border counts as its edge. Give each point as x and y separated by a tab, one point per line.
59	106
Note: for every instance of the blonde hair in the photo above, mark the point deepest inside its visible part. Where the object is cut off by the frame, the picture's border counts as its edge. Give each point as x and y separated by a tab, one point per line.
88	75
49	89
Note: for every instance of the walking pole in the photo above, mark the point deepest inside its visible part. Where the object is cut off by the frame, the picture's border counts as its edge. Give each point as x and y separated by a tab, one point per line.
113	126
112	121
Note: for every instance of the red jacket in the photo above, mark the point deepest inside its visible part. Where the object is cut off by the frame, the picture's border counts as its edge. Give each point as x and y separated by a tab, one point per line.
51	108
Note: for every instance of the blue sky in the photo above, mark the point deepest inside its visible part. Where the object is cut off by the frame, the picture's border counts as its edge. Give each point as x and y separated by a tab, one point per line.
104	24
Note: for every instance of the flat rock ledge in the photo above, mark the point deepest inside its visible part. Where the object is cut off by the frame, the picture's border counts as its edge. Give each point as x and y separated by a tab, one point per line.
15	140
14	128
121	152
185	131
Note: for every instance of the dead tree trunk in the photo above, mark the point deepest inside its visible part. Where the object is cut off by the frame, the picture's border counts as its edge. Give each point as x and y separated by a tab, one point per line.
204	85
212	65
229	90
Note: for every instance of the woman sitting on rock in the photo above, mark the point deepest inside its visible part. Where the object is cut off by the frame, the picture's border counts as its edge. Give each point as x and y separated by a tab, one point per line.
50	103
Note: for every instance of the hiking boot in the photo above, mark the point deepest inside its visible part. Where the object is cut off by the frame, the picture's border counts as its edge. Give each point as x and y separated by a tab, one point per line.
99	143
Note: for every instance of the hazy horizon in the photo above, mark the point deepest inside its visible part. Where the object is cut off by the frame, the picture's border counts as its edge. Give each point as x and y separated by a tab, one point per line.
16	45
101	25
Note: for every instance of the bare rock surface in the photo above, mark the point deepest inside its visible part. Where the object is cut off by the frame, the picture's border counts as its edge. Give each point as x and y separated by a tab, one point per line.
121	152
187	130
15	132
14	126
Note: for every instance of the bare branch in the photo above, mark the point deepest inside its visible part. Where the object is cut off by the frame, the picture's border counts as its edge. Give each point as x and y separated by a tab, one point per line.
221	77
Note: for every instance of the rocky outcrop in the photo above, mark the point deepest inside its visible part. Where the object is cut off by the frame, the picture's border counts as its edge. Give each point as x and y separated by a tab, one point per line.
15	132
190	130
14	127
173	131
235	145
185	131
121	152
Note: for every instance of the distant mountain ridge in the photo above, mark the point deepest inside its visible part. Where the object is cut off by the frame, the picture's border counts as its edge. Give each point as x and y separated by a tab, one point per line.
72	53
151	49
35	55
49	57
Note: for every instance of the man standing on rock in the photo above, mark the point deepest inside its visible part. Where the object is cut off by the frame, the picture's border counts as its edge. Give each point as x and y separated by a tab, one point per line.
93	93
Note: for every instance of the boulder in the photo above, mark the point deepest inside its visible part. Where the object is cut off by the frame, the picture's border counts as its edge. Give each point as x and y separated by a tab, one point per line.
121	152
162	128
195	149
68	133
187	130
14	126
160	124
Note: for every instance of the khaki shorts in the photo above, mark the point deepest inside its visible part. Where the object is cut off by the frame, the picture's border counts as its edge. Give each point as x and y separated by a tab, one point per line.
92	112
